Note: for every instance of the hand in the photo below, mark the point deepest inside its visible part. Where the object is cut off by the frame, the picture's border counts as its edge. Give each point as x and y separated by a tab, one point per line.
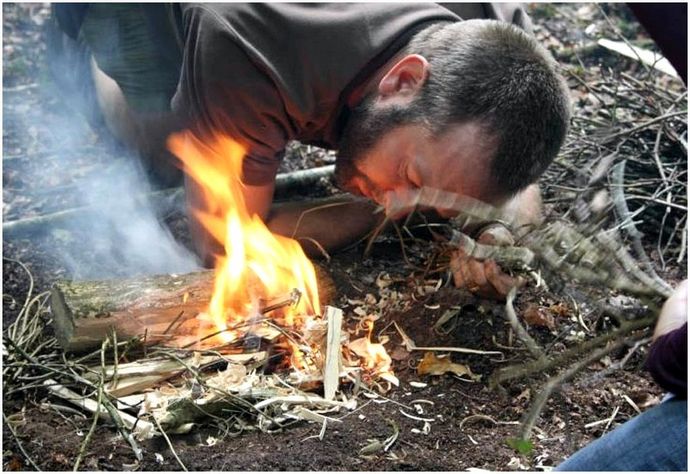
674	313
484	277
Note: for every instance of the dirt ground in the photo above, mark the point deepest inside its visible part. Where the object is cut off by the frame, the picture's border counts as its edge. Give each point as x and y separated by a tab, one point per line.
41	168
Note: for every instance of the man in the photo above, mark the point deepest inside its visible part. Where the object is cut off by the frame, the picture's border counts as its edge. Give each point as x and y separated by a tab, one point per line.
411	95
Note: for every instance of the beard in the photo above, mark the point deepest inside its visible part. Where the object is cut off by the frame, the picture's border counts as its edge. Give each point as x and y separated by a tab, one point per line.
365	126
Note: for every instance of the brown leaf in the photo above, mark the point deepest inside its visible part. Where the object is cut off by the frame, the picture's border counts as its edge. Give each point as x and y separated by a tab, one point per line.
15	464
560	309
432	365
400	353
535	315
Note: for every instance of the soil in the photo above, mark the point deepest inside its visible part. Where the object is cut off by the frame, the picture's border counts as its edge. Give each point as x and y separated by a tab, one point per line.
40	169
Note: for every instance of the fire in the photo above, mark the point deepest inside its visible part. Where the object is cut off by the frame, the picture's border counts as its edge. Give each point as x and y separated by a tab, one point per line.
373	356
376	358
257	264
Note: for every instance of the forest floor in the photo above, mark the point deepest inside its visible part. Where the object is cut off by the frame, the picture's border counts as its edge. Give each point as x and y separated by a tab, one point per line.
52	159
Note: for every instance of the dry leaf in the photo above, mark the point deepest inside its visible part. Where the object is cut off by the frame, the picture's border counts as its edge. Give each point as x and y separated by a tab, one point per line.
537	316
432	365
400	353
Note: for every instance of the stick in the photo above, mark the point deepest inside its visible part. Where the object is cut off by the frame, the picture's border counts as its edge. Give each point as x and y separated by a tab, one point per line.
19	444
544	364
92	406
167	440
543	395
521	332
87	438
629	225
331	372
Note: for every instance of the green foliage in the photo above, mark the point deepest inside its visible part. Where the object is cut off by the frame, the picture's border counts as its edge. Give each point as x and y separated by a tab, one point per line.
522	446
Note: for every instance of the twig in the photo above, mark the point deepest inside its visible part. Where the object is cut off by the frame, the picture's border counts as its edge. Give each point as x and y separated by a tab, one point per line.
411	346
167	440
97	411
530	418
628	225
19	444
521	332
642	126
87	439
523	370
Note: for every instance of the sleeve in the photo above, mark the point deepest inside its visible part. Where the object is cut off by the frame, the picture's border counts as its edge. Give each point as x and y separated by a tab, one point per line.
223	90
668	361
509	12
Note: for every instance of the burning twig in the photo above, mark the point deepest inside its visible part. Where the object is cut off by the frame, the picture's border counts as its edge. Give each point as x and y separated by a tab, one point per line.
164	307
283	302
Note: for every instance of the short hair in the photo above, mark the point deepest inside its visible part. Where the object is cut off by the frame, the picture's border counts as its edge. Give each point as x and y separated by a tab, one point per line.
494	73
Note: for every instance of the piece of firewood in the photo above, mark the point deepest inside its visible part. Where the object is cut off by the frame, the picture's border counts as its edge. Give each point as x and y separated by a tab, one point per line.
132	377
153	308
129	421
331	370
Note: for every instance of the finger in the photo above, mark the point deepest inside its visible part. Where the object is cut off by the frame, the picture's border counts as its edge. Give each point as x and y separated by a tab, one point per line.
500	281
466	279
496	235
478	278
455	268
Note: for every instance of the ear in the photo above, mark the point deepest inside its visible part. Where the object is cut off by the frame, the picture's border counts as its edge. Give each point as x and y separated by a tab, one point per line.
405	78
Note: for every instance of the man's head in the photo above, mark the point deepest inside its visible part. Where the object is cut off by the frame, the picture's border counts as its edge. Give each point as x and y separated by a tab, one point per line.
474	107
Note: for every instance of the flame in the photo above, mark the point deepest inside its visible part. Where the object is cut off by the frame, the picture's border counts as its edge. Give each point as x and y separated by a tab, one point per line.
375	357
257	264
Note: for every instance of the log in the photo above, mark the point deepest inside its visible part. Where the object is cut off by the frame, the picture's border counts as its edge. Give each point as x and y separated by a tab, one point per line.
160	309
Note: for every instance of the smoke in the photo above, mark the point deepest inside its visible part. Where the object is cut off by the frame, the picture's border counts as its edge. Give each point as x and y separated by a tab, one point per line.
122	228
117	229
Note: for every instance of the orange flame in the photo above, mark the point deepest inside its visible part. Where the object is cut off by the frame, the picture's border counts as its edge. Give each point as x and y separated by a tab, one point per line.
257	263
375	357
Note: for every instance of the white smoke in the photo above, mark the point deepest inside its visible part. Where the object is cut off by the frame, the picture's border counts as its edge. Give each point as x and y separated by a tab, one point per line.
124	229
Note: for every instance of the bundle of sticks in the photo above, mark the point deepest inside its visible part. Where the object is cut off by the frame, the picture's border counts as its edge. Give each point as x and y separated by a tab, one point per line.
167	367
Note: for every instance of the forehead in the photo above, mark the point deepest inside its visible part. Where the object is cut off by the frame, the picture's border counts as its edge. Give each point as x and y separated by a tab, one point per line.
458	160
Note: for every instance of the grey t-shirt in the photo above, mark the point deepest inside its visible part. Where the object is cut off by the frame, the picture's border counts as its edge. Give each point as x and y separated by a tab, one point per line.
265	74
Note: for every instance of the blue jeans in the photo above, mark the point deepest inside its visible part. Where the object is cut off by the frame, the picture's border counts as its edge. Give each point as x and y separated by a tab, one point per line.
656	440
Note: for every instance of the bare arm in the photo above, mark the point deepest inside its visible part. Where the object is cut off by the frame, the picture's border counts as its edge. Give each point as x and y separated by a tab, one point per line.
327	224
674	312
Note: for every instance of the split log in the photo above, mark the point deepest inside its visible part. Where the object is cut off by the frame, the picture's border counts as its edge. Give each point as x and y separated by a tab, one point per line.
155	309
134	377
331	371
